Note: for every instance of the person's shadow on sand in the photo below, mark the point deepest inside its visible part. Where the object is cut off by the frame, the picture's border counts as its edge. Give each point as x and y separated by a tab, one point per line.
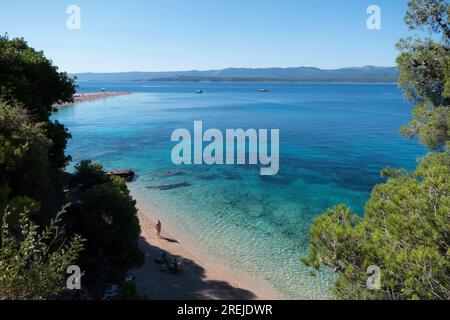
170	240
191	284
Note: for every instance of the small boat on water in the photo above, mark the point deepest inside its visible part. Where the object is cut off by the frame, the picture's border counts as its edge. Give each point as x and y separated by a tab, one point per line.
263	90
199	91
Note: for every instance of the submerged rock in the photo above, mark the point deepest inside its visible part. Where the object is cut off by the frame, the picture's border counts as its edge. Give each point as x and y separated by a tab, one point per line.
207	177
229	175
171	186
170	173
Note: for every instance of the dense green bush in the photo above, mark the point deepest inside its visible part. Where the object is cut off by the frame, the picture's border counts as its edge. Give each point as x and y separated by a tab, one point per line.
24	165
33	263
105	214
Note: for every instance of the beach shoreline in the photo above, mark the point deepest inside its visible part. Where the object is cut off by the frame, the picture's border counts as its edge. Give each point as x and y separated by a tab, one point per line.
201	279
89	97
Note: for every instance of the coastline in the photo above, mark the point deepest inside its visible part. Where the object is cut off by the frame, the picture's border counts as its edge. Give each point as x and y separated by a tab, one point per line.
201	279
89	97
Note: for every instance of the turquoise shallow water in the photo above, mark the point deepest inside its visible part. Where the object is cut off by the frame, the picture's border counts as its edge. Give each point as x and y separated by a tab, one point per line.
334	140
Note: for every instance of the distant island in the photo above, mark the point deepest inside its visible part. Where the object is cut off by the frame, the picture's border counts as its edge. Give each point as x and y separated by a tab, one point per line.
365	74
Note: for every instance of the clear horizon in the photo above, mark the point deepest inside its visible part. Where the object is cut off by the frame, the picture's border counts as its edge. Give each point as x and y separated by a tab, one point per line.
201	70
175	35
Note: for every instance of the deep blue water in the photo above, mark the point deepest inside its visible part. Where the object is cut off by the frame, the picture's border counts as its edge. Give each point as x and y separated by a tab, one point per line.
334	140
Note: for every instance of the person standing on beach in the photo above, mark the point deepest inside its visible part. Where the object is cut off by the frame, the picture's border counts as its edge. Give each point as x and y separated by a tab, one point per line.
158	228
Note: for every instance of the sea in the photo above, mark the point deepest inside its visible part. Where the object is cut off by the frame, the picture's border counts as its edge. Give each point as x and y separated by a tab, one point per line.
334	141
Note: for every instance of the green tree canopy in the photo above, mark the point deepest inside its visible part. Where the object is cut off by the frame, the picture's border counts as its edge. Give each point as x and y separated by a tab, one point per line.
32	148
105	214
28	77
431	15
405	232
33	250
25	169
424	66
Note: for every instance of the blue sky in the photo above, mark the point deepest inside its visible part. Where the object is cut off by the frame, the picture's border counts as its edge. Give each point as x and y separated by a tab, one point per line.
163	35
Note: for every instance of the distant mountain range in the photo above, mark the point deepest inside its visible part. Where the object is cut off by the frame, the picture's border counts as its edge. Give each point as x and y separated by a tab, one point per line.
299	74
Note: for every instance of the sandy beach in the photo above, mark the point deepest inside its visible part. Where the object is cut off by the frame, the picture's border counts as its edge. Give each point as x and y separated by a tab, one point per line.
89	97
198	280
